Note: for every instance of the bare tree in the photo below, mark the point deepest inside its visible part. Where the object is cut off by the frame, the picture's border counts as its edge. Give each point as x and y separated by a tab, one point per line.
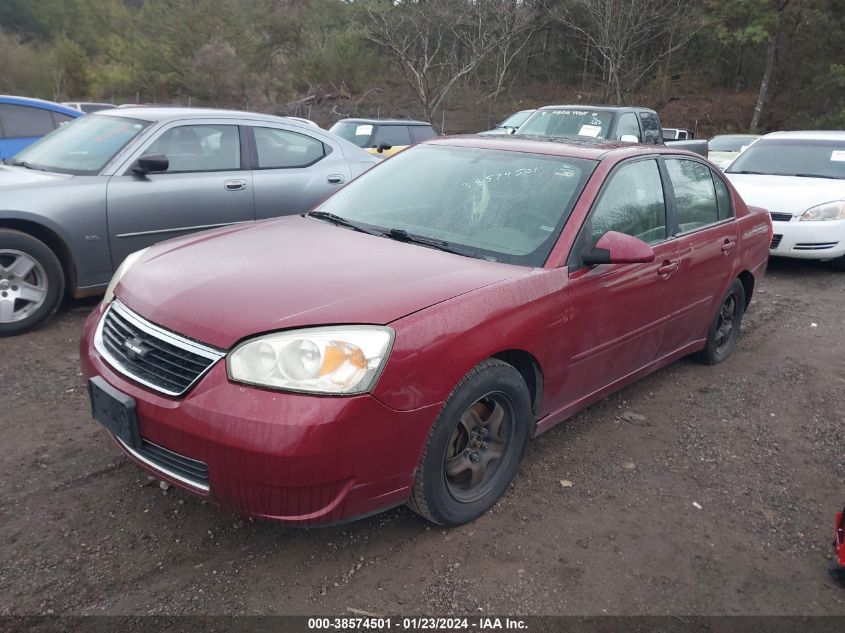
629	37
437	43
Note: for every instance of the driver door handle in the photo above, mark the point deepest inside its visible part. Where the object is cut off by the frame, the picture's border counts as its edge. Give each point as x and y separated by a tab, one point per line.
667	269
728	246
234	185
335	179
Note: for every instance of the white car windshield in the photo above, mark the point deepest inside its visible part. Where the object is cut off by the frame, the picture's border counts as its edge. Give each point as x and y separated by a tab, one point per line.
792	157
496	205
82	147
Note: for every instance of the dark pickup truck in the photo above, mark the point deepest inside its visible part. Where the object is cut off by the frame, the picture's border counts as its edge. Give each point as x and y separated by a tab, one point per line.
627	124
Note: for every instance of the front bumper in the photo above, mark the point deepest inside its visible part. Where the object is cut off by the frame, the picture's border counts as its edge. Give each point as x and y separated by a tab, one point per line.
809	240
292	458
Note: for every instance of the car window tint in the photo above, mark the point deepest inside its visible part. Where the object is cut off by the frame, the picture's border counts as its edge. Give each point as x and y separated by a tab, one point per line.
628	125
280	149
651	128
23	121
631	203
200	148
422	133
695	197
723	197
394	135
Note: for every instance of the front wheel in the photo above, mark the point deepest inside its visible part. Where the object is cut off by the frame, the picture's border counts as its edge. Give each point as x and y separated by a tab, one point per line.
475	447
724	329
31	282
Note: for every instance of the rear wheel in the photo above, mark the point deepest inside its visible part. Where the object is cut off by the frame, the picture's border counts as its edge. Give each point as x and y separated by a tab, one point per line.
31	282
725	327
475	447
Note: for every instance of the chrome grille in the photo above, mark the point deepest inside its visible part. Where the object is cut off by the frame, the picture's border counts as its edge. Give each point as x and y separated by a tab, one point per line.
781	217
181	468
149	354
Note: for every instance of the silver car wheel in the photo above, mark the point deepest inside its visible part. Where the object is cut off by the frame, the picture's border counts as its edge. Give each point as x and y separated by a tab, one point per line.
23	285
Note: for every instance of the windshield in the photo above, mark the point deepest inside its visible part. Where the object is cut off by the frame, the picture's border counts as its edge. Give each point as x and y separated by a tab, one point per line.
358	133
82	147
515	120
730	143
568	122
792	157
496	205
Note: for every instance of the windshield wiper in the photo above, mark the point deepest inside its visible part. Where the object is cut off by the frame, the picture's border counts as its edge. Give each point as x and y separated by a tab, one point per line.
752	173
815	176
401	235
24	164
340	221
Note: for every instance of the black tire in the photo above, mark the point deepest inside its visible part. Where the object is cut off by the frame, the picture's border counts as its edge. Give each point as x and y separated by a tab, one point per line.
46	273
838	264
498	391
725	327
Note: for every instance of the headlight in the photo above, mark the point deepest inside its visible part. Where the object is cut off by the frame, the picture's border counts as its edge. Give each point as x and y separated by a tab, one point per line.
827	211
118	274
329	360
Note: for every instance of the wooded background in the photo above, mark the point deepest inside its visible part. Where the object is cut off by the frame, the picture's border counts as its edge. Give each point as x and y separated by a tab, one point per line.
712	65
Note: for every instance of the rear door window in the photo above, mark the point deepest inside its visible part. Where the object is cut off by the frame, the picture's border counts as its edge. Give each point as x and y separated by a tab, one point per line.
695	195
19	121
282	149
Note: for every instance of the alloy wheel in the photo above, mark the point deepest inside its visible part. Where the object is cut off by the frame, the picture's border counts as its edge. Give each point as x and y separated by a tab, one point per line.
23	285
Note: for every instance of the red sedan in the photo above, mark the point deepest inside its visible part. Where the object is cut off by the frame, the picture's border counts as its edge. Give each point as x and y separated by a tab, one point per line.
403	341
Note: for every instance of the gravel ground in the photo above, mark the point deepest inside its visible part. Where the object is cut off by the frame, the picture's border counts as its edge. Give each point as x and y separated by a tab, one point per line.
716	497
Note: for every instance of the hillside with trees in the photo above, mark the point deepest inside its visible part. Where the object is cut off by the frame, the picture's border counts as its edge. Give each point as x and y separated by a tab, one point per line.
712	65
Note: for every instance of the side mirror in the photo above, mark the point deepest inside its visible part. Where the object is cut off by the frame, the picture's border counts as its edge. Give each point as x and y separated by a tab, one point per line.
384	147
629	138
149	163
618	248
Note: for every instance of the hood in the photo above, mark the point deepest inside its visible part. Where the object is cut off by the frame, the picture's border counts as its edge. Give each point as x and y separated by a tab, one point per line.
222	286
786	194
11	176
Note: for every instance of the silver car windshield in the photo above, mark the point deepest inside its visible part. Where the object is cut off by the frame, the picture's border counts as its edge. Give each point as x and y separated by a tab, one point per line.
82	147
792	157
497	205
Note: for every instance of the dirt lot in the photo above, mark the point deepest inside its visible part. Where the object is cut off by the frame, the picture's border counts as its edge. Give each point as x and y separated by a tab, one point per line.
756	442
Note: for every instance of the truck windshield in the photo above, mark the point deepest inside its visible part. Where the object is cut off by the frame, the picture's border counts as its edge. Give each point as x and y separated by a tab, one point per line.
82	147
568	123
496	205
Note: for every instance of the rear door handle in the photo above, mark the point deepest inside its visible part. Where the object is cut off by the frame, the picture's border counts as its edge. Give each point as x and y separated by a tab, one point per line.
234	185
667	268
335	179
728	246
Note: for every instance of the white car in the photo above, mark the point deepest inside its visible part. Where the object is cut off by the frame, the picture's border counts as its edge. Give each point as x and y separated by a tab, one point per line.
799	177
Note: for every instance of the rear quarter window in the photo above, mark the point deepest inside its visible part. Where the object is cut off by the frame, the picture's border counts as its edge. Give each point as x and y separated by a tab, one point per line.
422	133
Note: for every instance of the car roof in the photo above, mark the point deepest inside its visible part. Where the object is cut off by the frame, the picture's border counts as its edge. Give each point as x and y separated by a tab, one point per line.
734	136
556	146
590	106
809	135
177	113
385	122
39	103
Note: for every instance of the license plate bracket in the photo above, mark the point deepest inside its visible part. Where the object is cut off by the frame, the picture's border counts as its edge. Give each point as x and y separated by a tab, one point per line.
115	411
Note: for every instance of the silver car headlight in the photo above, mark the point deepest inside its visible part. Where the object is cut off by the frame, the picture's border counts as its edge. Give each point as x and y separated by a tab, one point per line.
119	273
828	211
328	360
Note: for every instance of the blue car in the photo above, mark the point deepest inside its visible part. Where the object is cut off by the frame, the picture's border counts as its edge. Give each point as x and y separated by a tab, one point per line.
23	121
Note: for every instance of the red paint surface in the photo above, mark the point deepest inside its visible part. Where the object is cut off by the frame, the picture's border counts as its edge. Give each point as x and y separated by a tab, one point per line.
314	459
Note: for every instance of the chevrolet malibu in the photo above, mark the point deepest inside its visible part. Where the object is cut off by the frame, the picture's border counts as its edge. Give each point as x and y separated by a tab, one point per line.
800	178
403	341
